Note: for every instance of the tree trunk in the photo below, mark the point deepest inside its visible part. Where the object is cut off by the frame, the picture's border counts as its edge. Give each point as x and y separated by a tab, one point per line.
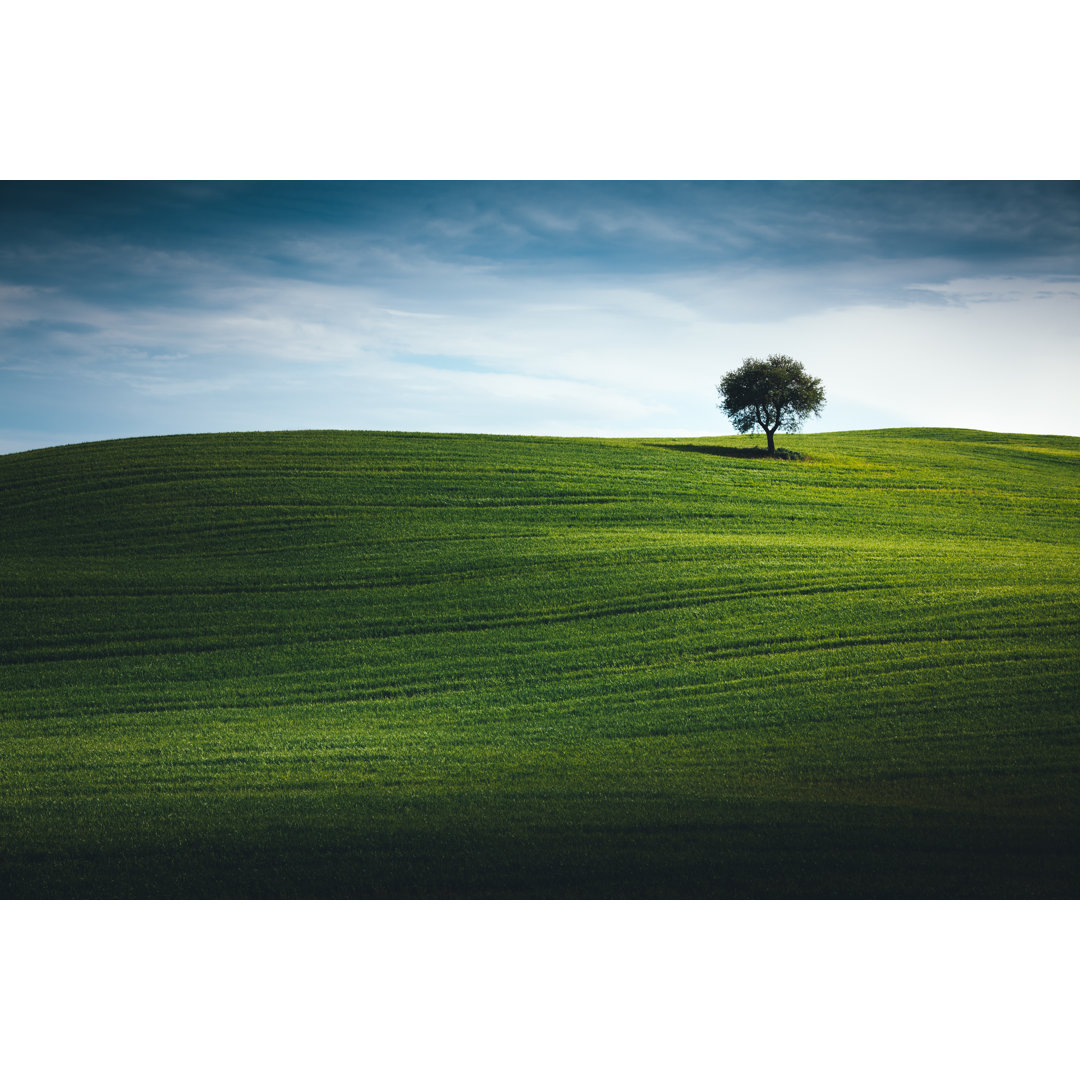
772	448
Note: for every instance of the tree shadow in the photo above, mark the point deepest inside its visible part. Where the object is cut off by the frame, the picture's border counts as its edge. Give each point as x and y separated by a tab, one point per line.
731	451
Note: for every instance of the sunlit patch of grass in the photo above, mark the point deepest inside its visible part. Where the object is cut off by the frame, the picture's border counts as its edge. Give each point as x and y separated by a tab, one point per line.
376	664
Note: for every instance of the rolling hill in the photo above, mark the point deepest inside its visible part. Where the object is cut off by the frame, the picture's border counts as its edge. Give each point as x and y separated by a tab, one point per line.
368	664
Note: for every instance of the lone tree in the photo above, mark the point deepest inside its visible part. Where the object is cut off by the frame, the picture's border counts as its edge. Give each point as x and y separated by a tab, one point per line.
775	394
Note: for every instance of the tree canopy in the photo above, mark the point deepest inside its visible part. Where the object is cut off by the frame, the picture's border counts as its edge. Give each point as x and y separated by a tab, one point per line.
775	394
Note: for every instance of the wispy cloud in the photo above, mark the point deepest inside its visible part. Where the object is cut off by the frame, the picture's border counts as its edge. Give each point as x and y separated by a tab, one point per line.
546	308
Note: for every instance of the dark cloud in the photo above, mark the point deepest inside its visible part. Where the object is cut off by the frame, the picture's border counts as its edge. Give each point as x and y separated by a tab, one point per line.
630	227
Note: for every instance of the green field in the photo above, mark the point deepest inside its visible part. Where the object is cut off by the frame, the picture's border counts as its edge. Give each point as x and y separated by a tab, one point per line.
348	664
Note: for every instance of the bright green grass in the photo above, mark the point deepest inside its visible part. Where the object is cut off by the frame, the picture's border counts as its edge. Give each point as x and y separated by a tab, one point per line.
377	664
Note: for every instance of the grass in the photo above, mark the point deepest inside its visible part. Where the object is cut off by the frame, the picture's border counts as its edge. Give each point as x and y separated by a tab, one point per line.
342	664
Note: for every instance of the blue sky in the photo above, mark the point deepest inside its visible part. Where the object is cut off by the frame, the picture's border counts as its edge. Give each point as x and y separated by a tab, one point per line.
535	308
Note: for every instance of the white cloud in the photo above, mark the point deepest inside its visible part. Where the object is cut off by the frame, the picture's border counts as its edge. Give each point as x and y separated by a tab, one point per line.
1008	363
557	355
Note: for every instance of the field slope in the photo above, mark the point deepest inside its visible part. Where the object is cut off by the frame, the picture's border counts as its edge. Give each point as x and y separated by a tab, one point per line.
346	664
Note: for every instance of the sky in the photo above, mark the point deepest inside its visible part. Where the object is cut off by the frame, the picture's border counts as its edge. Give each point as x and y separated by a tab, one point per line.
559	308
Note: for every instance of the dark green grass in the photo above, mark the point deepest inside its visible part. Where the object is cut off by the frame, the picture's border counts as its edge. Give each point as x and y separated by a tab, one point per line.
379	664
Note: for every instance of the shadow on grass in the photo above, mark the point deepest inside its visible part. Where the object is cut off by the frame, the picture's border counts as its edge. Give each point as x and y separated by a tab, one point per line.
737	849
734	451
